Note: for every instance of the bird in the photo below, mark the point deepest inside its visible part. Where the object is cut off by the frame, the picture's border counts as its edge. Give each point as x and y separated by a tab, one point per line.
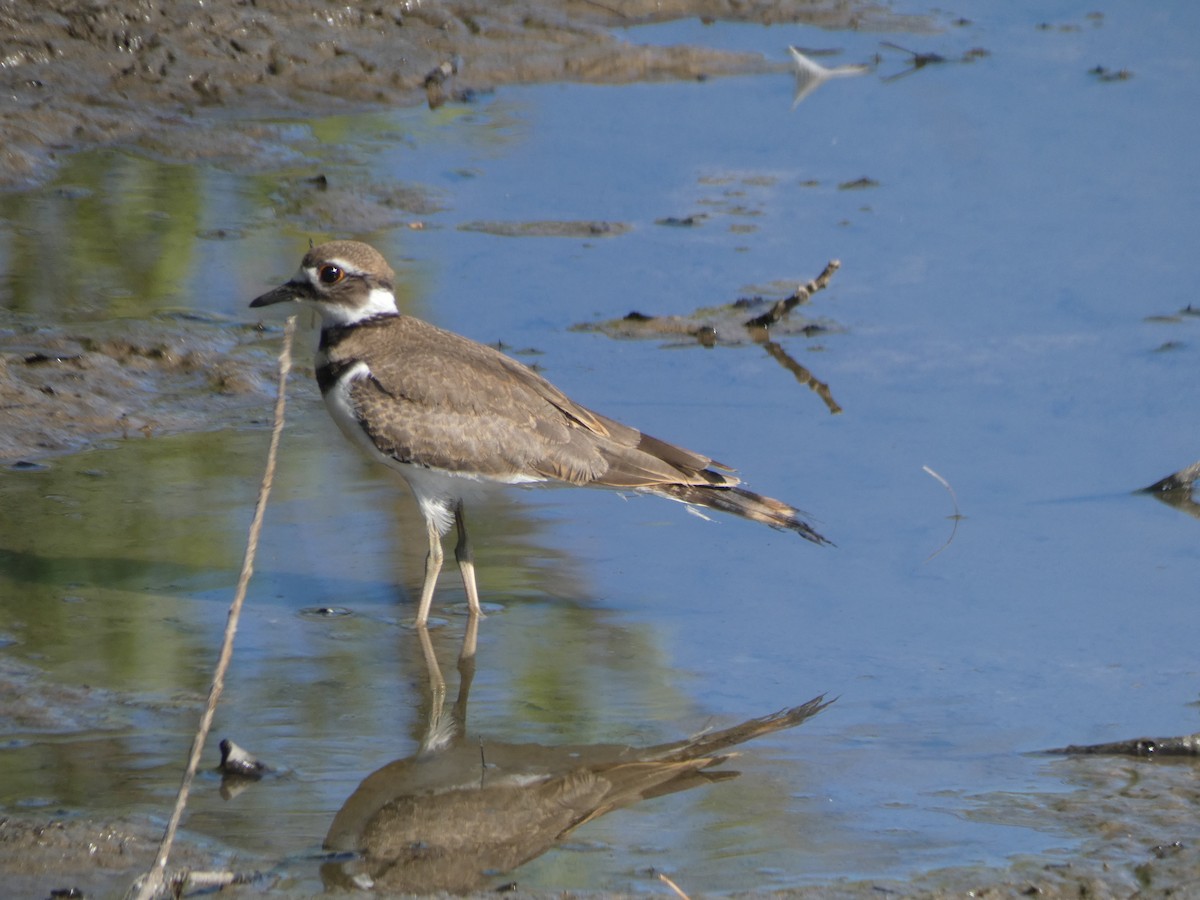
448	413
811	75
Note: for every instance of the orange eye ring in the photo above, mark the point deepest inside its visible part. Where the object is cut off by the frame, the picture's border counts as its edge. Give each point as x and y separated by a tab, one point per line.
330	274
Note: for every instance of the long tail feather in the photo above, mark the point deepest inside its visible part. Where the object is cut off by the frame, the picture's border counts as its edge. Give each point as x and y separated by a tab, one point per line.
743	503
711	742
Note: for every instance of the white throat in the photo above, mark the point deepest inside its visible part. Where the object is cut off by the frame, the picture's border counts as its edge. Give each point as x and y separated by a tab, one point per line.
379	301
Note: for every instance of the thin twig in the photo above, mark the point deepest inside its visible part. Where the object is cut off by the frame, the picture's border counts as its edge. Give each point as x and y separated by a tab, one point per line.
187	879
153	882
608	9
673	886
956	517
801	295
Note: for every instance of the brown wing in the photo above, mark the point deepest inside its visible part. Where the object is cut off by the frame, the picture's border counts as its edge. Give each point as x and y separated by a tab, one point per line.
438	399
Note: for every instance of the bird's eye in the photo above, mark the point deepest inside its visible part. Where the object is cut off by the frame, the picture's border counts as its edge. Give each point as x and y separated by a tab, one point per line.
330	274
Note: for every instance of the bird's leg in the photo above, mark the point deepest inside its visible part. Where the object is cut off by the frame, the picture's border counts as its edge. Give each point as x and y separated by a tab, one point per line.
466	668
434	727
466	561
433	565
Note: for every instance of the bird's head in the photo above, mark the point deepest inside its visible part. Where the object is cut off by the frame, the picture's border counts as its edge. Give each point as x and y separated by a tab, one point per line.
345	281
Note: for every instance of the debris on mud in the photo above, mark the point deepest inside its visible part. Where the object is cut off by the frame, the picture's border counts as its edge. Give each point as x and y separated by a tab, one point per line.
1187	745
748	320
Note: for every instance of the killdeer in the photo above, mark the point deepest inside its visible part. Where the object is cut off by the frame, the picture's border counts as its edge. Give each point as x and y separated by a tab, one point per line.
447	413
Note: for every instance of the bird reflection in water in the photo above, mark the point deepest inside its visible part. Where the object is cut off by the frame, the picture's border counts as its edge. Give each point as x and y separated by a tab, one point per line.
460	812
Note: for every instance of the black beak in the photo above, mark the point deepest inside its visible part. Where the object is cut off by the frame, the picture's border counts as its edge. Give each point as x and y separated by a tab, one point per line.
285	293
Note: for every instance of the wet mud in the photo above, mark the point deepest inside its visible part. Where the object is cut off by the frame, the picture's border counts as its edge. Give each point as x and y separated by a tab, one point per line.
64	388
68	857
161	71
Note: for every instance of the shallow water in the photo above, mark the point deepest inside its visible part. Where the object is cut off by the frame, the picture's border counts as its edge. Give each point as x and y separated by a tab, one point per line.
1005	315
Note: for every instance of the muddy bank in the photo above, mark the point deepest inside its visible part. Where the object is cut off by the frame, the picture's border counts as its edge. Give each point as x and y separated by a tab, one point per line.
81	74
64	388
68	857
